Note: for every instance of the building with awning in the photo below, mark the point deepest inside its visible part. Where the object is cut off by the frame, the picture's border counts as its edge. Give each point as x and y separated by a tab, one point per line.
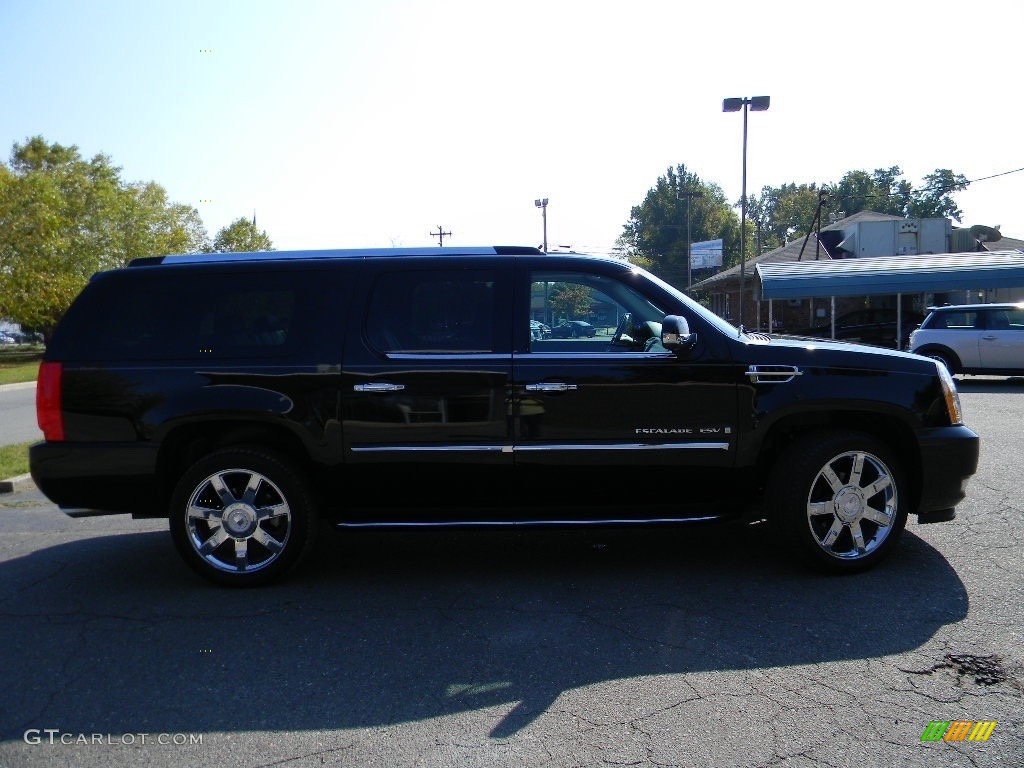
891	275
870	260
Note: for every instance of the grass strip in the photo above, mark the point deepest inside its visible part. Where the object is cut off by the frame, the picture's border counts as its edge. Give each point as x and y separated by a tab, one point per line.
13	460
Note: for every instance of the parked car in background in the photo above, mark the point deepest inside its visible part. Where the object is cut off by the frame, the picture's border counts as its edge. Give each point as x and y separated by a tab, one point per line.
539	331
573	329
974	338
867	326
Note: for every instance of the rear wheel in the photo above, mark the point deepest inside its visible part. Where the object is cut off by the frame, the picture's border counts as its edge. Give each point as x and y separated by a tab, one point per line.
839	500
242	517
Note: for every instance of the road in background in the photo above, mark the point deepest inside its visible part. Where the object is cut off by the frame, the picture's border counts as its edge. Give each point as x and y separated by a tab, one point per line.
18	414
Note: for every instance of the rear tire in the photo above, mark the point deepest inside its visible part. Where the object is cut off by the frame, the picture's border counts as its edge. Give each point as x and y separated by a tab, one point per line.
242	517
839	500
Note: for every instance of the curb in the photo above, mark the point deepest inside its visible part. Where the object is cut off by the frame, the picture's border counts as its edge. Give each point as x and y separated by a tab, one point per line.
19	385
7	486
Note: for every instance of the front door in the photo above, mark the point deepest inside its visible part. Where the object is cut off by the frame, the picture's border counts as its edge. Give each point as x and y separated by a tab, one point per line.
615	416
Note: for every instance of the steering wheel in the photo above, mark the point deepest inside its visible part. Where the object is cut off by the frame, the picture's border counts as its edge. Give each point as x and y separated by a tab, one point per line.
625	324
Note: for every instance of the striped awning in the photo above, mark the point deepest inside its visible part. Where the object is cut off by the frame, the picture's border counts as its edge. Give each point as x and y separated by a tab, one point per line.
928	273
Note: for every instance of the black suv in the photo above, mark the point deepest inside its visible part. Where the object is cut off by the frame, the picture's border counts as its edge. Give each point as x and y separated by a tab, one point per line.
248	397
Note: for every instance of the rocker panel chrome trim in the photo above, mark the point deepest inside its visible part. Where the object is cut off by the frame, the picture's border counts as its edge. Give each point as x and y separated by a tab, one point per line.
535	448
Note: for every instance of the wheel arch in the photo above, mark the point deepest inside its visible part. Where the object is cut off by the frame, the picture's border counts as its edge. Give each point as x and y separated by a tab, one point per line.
896	434
186	444
930	350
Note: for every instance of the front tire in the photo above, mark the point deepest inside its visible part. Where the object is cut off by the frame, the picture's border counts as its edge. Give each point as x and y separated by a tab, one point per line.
242	517
839	500
945	359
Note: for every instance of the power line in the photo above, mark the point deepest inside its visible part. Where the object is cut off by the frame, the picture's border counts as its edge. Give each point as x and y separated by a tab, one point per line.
996	175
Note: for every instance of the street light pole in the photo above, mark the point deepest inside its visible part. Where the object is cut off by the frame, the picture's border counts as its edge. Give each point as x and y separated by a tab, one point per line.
688	196
758	104
542	203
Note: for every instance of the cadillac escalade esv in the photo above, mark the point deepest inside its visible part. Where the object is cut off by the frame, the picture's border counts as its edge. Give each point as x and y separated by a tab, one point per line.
251	397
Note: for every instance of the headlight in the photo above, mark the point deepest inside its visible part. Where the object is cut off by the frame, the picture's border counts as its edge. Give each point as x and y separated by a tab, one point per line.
949	392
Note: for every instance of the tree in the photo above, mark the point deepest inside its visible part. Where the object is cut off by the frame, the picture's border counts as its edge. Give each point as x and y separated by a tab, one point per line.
787	211
570	300
655	235
935	198
779	214
62	218
241	235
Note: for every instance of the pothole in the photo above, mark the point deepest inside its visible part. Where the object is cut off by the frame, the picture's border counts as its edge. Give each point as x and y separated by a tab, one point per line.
986	670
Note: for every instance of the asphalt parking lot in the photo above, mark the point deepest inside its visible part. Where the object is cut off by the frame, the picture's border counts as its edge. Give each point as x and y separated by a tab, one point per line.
682	648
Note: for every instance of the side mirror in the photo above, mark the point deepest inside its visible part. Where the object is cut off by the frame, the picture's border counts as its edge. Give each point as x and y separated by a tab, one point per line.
675	334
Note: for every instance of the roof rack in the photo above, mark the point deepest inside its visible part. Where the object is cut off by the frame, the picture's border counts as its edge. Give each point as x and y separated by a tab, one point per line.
333	253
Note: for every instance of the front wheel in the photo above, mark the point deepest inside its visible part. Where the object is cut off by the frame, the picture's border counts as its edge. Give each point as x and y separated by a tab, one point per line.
839	500
242	517
945	359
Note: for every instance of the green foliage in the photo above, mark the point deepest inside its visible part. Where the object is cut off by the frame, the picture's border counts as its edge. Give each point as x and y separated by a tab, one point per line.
779	214
786	212
655	235
935	198
241	235
62	218
570	300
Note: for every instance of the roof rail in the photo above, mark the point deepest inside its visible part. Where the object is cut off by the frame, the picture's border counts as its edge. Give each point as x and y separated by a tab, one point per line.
334	253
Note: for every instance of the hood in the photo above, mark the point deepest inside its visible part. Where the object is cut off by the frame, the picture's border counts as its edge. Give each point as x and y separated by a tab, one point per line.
799	350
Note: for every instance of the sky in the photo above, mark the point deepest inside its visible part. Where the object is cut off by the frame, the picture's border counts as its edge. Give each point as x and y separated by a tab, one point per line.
373	123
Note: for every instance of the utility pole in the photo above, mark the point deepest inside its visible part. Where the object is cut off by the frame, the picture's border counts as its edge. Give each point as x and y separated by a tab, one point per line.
688	196
440	235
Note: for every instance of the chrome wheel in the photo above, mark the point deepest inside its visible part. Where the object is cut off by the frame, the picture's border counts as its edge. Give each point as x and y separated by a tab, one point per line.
852	505
837	500
238	520
242	517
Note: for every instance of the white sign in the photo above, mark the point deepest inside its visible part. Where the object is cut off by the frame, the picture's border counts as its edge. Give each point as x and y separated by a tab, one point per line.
706	254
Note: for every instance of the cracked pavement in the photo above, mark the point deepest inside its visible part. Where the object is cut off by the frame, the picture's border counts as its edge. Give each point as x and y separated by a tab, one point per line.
649	648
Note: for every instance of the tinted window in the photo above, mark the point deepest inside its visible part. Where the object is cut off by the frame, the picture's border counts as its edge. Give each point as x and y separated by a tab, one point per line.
1005	319
964	320
433	312
585	306
150	315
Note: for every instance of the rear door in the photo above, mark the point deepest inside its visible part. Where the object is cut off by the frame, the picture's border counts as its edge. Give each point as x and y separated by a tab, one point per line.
426	378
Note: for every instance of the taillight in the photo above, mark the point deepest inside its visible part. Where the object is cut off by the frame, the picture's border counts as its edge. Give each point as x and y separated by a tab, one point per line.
48	412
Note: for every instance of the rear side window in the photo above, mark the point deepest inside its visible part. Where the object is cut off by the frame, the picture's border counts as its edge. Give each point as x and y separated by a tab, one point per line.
965	320
433	312
150	315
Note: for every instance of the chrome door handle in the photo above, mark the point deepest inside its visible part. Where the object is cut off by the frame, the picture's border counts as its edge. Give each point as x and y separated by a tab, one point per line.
551	387
380	386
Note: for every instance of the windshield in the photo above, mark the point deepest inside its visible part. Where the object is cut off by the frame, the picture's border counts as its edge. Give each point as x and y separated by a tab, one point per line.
705	314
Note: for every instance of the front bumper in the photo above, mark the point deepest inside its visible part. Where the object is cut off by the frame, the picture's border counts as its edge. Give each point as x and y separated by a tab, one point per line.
949	457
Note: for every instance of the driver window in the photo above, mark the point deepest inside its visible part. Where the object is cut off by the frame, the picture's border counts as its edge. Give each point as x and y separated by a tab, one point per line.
574	312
